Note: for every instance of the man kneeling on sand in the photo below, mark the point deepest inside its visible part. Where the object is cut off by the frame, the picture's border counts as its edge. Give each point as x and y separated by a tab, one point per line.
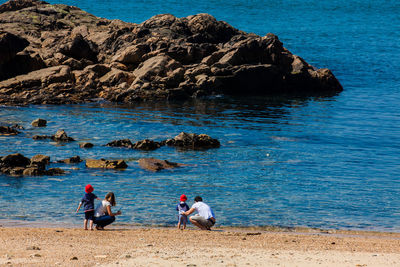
205	218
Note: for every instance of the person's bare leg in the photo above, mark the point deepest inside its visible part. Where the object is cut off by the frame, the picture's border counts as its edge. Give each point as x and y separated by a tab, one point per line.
197	224
179	225
184	226
85	224
91	224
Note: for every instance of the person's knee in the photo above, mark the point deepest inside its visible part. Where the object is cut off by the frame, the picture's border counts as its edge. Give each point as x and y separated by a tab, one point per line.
191	219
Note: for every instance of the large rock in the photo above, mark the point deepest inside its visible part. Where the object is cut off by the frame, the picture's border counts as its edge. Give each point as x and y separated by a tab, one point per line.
106	164
62	136
58	54
147	145
153	164
7	130
14	160
121	143
39	123
193	141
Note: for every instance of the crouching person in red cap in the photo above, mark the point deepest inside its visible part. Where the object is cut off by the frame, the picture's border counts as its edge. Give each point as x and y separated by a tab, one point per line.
182	207
88	204
205	218
103	215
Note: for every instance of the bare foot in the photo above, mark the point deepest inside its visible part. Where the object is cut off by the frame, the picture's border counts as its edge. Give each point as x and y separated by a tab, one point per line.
85	228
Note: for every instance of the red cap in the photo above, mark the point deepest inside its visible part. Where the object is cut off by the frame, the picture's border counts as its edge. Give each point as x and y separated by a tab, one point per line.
89	188
183	197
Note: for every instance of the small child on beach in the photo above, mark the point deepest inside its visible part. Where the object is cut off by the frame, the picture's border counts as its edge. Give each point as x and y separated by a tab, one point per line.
182	207
88	204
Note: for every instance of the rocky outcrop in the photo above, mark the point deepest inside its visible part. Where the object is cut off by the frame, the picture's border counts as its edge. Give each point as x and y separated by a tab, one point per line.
86	145
193	141
106	164
57	54
17	164
153	164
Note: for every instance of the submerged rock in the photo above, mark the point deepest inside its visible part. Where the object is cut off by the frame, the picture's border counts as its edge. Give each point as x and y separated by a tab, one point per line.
153	164
106	164
71	160
193	141
58	54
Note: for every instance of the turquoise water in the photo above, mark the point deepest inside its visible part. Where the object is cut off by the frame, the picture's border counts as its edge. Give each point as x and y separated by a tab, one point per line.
317	162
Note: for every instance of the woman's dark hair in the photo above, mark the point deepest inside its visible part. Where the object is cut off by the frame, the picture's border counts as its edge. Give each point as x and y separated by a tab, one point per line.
197	199
111	198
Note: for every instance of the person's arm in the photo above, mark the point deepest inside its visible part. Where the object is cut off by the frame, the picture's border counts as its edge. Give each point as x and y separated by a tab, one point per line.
112	214
79	207
187	213
97	198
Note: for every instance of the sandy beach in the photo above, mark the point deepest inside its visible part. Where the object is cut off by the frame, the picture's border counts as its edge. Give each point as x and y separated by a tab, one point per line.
220	247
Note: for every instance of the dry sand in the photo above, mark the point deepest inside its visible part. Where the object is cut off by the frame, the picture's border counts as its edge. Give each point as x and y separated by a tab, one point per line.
172	247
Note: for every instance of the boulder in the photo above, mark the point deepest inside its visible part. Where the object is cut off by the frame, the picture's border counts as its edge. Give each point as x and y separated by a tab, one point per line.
193	141
147	145
61	136
14	160
33	171
7	130
121	143
40	159
106	164
71	160
153	164
39	123
132	54
86	145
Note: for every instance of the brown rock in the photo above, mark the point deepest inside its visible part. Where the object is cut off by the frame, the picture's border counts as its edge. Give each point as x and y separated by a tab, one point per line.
85	145
62	136
75	159
147	145
33	171
193	141
14	160
6	130
121	143
106	164
40	159
39	123
153	164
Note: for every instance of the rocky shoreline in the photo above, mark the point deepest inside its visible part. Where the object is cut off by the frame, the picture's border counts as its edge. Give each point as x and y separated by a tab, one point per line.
58	54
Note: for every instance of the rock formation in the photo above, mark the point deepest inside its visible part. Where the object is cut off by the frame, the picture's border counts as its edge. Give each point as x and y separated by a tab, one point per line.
59	54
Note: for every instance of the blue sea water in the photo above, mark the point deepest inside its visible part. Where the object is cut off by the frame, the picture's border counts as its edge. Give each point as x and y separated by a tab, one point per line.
328	162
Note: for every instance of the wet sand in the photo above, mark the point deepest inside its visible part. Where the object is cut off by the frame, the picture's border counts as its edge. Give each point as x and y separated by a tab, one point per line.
116	246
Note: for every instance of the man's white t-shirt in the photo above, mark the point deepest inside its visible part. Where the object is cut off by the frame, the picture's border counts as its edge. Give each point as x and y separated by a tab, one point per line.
204	210
102	208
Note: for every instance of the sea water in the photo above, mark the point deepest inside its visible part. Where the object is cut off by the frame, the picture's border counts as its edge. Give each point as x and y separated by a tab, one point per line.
328	162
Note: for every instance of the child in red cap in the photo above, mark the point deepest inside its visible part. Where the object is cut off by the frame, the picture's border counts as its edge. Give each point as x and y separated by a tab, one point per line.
182	207
88	204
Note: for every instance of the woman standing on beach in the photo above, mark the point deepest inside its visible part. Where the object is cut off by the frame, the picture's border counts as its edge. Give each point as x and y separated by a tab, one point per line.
103	215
